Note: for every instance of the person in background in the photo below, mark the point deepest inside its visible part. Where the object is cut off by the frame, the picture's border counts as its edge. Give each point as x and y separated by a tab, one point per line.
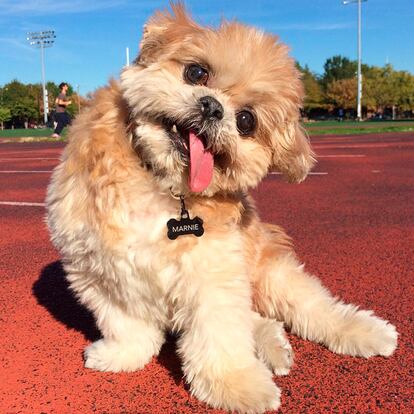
340	114
61	116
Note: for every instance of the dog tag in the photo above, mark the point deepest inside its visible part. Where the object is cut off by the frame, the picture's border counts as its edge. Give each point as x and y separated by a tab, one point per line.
185	225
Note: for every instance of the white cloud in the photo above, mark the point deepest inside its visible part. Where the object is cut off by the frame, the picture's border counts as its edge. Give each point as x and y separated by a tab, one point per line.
15	43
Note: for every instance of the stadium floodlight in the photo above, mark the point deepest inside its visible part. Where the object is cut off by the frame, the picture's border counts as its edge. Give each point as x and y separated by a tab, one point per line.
359	91
42	40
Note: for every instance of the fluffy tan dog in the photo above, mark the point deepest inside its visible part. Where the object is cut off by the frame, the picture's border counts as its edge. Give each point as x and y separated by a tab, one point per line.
204	114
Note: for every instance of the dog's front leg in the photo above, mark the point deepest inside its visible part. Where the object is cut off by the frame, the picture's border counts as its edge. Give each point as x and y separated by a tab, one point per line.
217	337
128	342
285	291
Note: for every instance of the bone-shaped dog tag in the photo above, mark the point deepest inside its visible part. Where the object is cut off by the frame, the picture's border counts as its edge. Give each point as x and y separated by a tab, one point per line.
184	226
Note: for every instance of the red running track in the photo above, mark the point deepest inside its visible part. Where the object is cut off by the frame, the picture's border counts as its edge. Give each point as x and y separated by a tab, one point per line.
353	227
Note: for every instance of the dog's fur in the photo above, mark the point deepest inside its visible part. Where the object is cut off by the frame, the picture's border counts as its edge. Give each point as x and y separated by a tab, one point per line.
111	196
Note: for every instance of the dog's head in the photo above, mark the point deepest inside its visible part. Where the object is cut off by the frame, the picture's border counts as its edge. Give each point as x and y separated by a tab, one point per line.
215	109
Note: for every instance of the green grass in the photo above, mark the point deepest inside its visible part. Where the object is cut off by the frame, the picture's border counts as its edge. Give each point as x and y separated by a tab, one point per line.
28	135
359	125
20	133
358	131
354	128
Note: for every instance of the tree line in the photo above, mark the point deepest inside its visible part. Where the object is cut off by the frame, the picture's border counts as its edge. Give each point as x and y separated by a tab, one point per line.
21	105
386	93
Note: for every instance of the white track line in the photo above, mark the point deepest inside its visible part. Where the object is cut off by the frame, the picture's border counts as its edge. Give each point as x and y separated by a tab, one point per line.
341	156
367	146
34	152
26	158
25	172
311	173
21	203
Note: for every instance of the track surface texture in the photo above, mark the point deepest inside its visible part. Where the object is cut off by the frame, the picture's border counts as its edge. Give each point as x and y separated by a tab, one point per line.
353	227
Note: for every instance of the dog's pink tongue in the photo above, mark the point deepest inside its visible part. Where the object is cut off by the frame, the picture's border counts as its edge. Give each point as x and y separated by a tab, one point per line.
201	164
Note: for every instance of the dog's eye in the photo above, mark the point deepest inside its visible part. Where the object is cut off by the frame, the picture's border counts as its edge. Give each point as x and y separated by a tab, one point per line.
196	74
246	122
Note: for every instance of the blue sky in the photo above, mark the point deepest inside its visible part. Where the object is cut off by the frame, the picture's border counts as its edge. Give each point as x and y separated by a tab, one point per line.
92	35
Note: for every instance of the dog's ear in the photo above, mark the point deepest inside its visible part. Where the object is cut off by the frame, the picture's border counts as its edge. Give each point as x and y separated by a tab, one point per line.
293	155
164	31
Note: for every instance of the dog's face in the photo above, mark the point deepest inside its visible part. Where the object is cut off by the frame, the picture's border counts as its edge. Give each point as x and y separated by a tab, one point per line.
214	110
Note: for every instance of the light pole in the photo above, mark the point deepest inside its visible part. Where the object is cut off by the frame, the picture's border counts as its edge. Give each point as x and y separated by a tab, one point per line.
359	91
127	56
77	92
42	40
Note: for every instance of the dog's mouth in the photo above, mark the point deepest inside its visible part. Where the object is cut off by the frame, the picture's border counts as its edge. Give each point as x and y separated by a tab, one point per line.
194	147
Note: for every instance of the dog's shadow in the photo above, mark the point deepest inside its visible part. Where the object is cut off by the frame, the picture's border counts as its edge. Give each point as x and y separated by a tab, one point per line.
52	292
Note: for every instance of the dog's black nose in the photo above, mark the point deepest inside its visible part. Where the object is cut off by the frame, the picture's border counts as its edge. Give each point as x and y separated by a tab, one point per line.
211	108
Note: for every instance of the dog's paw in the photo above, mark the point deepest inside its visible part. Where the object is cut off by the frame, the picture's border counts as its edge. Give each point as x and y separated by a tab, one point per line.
105	355
366	335
273	347
279	356
249	390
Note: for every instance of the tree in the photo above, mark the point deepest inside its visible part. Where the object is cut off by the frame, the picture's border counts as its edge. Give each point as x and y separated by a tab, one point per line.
13	92
25	102
337	68
342	93
35	94
24	110
404	83
5	115
313	91
20	99
386	88
53	90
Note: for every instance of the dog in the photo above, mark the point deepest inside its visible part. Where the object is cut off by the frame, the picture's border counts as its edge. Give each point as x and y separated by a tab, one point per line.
150	210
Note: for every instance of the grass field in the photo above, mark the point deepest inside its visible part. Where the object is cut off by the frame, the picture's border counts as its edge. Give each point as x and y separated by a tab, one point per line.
356	128
363	124
17	133
41	134
313	128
